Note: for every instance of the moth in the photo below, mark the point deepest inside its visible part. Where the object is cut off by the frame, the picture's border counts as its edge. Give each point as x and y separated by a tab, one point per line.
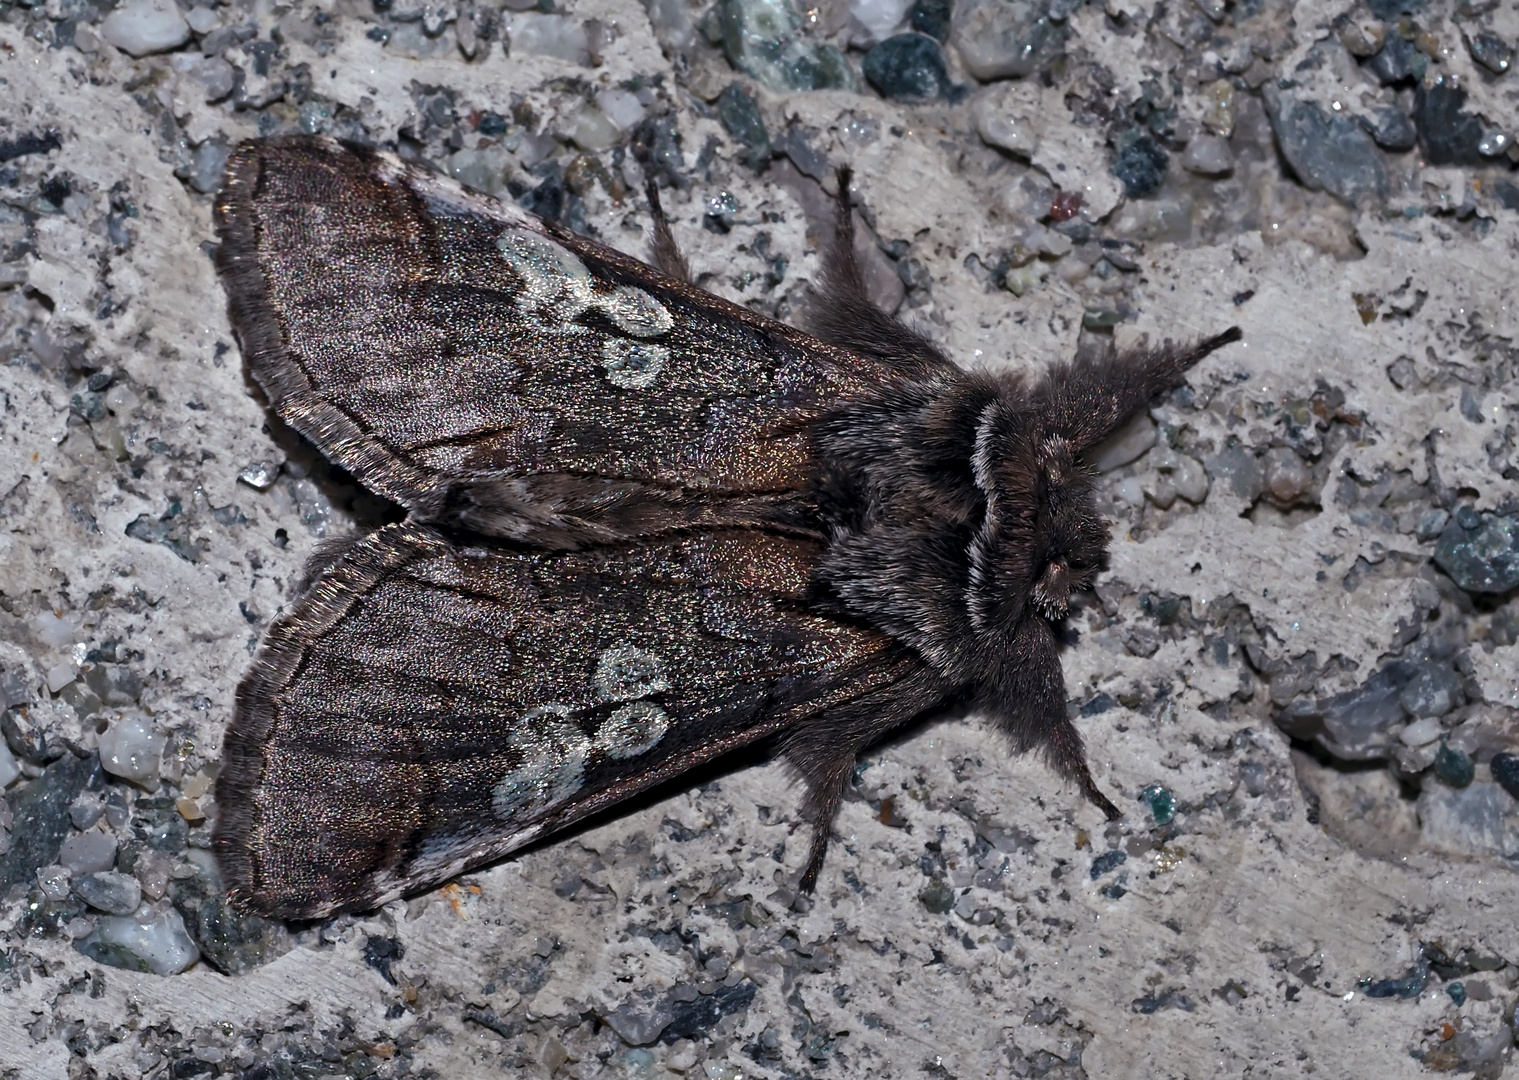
644	527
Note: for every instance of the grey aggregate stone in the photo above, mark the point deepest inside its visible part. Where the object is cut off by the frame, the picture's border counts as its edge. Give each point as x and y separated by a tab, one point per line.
1480	552
1330	153
113	893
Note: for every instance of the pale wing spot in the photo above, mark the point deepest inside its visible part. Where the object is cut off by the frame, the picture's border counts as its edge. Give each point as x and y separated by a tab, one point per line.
555	283
625	672
554	752
632	729
632	365
635	312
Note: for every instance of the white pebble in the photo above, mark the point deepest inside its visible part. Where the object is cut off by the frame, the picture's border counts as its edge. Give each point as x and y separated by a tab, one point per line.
592	130
158	940
622	108
1000	126
202	19
131	749
1208	155
1421	732
55	631
559	36
60	675
1186	474
1130	490
879	17
142	27
9	770
1125	445
54	881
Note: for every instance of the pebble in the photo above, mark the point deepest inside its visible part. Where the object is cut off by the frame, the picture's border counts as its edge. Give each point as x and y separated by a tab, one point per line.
1454	766
560	36
1449	135
1479	819
931	17
9	769
740	114
1161	801
1506	771
1328	154
40	818
54	881
621	107
1431	523
1185	474
110	892
216	77
1391	128
1140	163
1421	732
1127	444
202	19
1208	155
1284	475
879	17
1109	860
592	129
1491	51
88	853
639	1023
1236	466
999	124
209	164
1480	552
1000	39
144	27
1434	691
230	940
1397	60
151	940
131	749
764	39
1358	722
907	67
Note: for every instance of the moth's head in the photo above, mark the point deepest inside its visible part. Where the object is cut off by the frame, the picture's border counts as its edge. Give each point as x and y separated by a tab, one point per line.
1070	537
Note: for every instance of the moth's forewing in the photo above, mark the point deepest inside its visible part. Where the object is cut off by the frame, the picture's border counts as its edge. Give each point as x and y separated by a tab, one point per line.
425	707
431	340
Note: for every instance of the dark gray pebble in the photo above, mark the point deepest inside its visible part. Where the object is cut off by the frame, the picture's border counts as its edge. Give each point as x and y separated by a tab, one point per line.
1454	766
1480	552
1506	771
740	114
1448	135
1140	163
907	67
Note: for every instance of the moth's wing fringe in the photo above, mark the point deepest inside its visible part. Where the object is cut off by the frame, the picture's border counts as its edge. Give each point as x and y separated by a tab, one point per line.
253	315
348	573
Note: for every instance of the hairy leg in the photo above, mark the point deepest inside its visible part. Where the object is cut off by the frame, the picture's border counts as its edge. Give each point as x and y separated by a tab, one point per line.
666	252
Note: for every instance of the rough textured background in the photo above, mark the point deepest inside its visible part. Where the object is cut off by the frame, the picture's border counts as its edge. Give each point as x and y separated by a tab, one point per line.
1298	708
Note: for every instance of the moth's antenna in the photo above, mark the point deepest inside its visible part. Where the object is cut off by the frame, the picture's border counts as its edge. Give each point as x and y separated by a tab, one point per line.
666	252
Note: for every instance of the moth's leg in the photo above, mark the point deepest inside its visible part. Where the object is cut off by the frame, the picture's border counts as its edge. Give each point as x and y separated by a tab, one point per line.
825	761
824	748
1028	702
666	252
1068	755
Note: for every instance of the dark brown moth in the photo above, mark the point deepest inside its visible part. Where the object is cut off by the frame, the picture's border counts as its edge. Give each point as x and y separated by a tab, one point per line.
645	527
